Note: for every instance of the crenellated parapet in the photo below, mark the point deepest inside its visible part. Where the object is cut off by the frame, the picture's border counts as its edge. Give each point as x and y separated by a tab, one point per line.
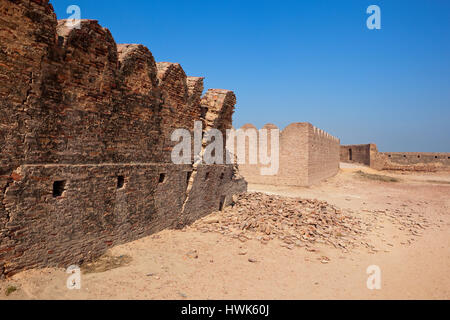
88	99
89	64
137	70
173	85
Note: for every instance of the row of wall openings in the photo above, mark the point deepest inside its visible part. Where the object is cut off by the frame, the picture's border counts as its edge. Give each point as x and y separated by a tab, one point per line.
404	156
222	175
60	186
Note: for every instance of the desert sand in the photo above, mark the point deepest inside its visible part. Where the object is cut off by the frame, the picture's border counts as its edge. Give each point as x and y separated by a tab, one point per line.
408	238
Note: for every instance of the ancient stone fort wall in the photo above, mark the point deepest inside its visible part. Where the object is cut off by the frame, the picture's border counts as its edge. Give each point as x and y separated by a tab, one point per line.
307	155
362	153
85	146
368	154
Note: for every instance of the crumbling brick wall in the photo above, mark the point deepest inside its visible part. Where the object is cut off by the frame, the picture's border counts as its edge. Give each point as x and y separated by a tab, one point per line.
414	161
85	147
368	154
307	155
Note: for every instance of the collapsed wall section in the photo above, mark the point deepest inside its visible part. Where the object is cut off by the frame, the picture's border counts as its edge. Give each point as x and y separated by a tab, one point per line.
181	102
203	194
219	105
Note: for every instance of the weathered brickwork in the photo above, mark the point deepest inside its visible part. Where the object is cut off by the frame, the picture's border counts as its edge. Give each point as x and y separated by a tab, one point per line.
414	161
85	127
361	153
368	154
323	155
307	155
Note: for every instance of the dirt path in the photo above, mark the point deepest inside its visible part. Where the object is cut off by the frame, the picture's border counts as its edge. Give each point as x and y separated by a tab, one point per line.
409	240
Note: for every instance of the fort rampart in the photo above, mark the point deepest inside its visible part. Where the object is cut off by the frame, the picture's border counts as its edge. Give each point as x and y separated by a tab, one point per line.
307	155
368	154
85	143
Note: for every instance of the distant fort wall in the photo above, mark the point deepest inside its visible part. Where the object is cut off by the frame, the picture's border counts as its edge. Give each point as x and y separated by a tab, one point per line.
307	155
368	154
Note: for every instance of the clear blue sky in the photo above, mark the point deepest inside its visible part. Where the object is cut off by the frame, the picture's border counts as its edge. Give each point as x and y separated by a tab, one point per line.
315	61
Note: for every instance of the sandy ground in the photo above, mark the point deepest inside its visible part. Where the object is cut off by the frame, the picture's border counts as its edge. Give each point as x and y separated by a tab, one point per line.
414	265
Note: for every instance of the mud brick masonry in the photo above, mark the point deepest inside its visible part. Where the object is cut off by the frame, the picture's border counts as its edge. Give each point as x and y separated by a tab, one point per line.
85	148
368	154
307	156
85	144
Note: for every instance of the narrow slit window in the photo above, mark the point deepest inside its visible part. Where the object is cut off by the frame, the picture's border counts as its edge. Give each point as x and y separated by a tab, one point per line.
120	182
58	188
162	177
207	176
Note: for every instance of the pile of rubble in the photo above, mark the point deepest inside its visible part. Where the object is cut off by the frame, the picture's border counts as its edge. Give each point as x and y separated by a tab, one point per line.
294	221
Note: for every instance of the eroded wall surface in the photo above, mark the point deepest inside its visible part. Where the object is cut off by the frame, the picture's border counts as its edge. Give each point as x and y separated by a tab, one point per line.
368	154
414	161
85	128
